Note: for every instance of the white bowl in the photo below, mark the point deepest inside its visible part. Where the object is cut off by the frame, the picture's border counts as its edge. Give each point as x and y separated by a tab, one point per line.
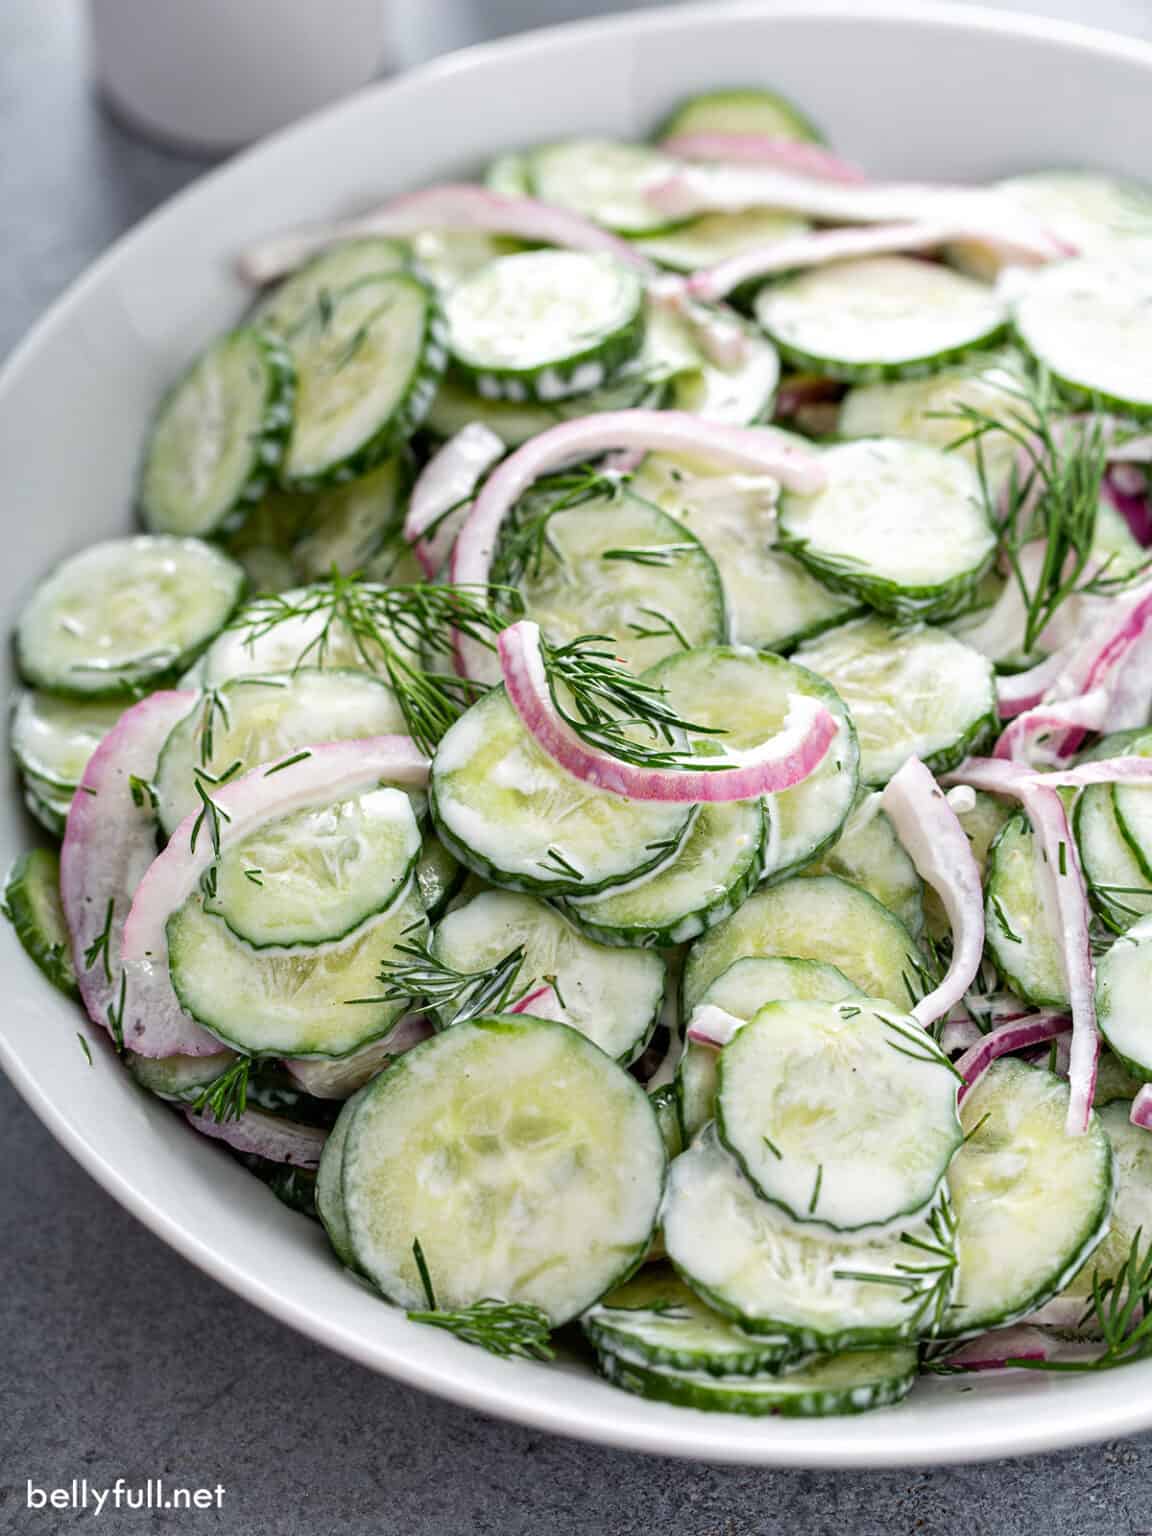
904	88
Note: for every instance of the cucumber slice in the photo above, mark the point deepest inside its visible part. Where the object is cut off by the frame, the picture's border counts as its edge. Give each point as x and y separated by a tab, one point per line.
219	437
181	1079
612	564
654	1319
1133	812
772	602
1131	1209
744	1257
916	690
438	876
47	805
982	825
899	525
823	919
739	396
928	411
745	693
32	906
869	854
313	876
124	615
843	1114
714	237
525	1162
347	527
612	996
446	257
1119	889
853	1382
254	720
1090	324
663	1102
367	365
330	1184
53	738
1019	931
742	990
1114	1083
289	1003
292	301
545	325
1123	976
1031	1202
718	866
506	810
515	422
1100	216
886	317
604	181
740	110
508	174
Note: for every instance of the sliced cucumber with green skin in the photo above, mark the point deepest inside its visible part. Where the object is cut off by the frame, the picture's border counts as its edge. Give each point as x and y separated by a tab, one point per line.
348	526
928	411
545	325
740	396
663	1101
455	406
899	525
507	811
745	1258
740	110
438	876
654	1318
615	565
318	281
219	437
446	257
745	693
869	854
1123	978
604	180
823	919
1031	1202
330	1184
772	602
1090	324
32	906
886	317
1019	931
1133	812
917	691
125	615
982	825
742	990
266	719
843	1114
367	367
612	996
53	738
180	1079
718	866
1118	888
1131	1209
525	1162
714	237
48	806
853	1382
1114	1083
305	1002
313	876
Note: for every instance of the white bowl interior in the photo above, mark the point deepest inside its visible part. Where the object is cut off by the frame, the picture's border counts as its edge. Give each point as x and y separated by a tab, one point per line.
907	90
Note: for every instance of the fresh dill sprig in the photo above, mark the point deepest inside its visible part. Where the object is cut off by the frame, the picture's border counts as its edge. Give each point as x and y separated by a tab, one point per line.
84	1046
527	535
116	1012
392	631
210	815
659	556
143	792
425	981
927	1280
505	1328
226	1096
98	950
610	707
1052	498
1120	1311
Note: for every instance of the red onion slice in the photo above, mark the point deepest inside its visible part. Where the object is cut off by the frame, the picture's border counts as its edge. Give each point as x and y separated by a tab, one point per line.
785	759
1020	742
1142	1108
440	497
713	1026
448	206
264	1135
1033	1029
938	846
764	149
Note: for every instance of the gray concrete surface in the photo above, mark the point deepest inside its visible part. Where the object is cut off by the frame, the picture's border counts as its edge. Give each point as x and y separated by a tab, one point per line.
117	1359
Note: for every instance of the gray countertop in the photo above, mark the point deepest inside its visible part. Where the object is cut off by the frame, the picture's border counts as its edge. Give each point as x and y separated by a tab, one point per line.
118	1359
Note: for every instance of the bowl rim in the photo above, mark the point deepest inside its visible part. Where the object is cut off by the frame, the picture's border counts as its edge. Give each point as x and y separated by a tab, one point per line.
1102	1414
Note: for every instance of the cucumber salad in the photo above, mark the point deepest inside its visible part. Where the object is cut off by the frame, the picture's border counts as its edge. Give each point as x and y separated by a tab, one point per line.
616	769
